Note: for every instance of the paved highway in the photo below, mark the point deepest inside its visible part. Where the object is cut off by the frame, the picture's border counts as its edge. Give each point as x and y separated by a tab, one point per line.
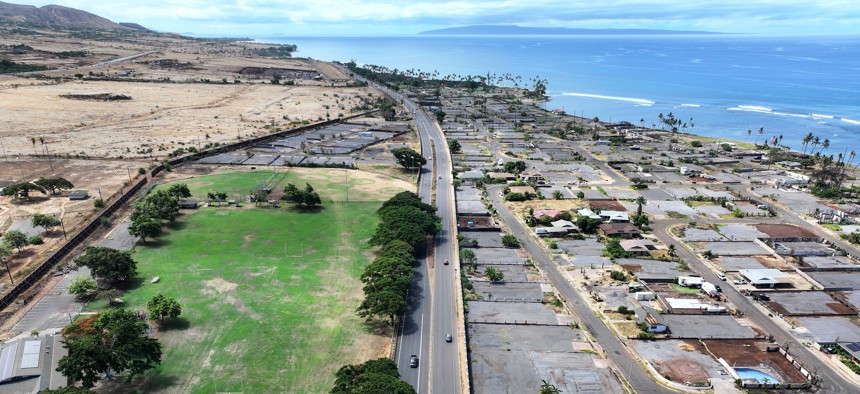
433	308
614	348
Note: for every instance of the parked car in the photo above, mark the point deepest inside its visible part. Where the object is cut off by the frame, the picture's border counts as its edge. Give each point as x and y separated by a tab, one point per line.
448	338
413	361
739	282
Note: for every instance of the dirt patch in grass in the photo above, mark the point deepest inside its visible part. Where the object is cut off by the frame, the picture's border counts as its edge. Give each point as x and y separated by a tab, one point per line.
220	285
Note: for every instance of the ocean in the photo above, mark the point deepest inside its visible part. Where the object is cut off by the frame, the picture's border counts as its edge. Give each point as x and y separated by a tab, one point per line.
727	84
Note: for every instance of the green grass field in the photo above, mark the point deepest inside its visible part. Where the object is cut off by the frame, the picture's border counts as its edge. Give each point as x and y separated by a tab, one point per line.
268	294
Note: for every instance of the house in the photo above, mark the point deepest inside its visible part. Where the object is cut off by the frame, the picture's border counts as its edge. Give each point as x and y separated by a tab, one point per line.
502	175
532	175
78	195
551	232
524	190
538	213
588	213
623	230
566	224
638	246
614	216
766	277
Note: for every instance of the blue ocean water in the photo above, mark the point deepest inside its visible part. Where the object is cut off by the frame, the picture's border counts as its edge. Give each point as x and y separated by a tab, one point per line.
727	84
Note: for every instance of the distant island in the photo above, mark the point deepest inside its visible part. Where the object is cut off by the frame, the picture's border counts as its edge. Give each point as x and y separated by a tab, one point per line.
520	30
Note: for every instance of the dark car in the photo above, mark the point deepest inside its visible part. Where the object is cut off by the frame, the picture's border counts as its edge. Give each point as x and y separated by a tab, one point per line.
446	262
413	361
448	338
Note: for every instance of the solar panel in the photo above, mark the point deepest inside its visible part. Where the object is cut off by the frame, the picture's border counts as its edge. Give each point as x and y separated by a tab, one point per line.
31	354
853	346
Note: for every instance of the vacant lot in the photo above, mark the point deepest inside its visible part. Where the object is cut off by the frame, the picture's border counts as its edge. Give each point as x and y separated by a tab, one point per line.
268	294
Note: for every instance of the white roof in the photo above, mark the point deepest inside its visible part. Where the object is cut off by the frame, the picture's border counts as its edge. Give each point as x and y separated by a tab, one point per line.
563	223
615	215
764	276
686	303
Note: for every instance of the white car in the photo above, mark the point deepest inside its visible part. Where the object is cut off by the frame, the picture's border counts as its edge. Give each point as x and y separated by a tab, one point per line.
739	282
721	275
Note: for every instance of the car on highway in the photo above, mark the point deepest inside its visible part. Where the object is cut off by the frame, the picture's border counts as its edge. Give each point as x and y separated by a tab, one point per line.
448	338
721	275
413	361
446	262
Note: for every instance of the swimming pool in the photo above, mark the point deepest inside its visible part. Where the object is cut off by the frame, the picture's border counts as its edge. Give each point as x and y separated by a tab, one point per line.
759	376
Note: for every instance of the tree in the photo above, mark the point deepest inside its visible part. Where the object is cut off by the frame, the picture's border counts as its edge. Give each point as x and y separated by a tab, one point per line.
640	201
54	184
82	285
163	205
45	221
179	190
468	256
5	252
510	241
382	303
587	225
454	146
15	239
111	342
806	140
22	190
557	194
373	376
408	158
145	227
440	116
307	197
494	275
515	167
108	264
161	306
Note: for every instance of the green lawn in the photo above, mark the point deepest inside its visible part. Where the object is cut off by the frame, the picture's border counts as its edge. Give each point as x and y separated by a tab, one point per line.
328	182
685	290
268	295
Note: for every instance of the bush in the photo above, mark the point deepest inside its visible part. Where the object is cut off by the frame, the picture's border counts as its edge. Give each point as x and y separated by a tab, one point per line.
617	275
696	144
647	336
35	240
99	203
553	245
510	241
141	171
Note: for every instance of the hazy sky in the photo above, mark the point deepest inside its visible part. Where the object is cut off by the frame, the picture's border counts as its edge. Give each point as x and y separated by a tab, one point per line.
371	17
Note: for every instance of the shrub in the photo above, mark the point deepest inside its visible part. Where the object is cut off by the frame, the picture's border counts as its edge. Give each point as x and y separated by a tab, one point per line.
510	241
99	203
696	144
35	240
617	275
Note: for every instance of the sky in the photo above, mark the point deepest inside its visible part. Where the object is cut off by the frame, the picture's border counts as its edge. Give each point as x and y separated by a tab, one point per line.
387	17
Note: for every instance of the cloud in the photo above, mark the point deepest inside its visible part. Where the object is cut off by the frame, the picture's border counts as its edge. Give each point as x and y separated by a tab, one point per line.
372	16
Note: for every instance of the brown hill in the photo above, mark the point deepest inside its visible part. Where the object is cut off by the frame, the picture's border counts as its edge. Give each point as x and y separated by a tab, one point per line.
55	15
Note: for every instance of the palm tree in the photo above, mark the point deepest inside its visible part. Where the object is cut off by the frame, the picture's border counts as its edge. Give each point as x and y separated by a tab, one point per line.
806	141
815	142
851	157
33	140
826	144
760	132
672	250
749	133
640	201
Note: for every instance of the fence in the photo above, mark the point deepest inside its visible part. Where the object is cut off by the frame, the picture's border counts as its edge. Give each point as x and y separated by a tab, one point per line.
76	240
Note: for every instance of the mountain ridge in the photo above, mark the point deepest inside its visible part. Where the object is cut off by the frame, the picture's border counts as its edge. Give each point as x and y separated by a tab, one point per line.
56	15
522	30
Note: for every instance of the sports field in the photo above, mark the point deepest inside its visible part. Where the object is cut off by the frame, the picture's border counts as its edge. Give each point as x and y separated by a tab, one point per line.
268	294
